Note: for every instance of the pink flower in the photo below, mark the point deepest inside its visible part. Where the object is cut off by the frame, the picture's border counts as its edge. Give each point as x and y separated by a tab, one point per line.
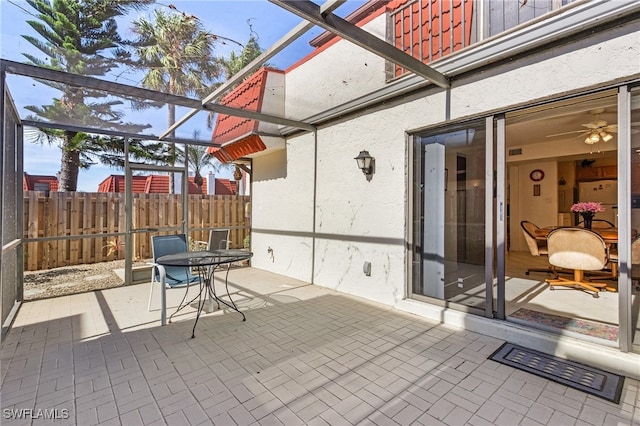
591	207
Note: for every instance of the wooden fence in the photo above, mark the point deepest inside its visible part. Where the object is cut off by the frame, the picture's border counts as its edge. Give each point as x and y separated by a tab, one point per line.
61	214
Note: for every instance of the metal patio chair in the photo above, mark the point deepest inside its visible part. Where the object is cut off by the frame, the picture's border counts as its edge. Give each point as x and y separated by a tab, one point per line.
169	276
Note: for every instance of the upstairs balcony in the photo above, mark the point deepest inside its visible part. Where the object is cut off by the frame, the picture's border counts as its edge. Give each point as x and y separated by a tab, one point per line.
432	29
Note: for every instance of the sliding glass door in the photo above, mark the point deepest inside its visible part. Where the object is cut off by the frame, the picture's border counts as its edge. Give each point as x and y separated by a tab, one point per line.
449	215
476	183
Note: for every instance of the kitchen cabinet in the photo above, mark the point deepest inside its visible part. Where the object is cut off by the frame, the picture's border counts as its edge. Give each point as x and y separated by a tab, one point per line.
635	178
597	173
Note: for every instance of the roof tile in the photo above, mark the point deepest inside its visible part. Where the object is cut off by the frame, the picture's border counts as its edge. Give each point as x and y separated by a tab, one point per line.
151	184
29	182
238	149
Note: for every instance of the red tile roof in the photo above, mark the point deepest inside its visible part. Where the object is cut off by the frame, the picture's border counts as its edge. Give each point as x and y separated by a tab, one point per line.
159	184
34	182
226	187
441	29
238	149
115	183
248	96
241	132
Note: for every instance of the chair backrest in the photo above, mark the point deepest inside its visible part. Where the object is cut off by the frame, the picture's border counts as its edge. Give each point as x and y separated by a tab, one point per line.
529	232
577	248
162	245
218	239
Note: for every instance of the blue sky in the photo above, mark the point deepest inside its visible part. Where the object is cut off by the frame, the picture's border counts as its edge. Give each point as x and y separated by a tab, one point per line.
226	18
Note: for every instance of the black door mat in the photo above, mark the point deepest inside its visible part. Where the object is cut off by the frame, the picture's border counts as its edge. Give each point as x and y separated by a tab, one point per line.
577	376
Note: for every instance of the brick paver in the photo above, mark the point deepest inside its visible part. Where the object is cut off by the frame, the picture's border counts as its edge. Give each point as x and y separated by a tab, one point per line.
305	356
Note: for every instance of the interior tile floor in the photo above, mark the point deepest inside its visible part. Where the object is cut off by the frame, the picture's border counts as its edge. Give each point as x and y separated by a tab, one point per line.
305	356
532	293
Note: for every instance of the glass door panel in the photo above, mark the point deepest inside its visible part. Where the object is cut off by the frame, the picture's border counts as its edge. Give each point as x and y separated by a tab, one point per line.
449	230
559	154
635	218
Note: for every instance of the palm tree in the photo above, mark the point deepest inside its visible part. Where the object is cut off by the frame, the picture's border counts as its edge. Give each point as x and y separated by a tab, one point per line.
235	63
177	54
198	159
79	37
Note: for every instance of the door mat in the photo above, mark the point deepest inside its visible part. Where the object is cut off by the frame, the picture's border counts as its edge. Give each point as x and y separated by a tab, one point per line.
589	328
572	374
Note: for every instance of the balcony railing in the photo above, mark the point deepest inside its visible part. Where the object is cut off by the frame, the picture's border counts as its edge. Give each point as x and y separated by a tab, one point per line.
431	29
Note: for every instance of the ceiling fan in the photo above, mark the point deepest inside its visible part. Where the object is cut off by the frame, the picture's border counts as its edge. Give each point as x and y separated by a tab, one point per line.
595	131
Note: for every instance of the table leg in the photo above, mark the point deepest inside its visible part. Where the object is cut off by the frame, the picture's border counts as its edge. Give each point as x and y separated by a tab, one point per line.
163	304
201	302
233	304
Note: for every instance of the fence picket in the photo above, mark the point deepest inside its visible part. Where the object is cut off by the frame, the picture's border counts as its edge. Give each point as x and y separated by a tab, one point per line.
74	228
76	214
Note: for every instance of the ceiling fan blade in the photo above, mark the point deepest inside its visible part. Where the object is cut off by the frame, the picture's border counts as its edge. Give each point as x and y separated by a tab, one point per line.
577	137
568	133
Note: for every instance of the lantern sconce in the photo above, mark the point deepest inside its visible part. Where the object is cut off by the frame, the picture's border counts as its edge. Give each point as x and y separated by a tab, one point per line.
366	163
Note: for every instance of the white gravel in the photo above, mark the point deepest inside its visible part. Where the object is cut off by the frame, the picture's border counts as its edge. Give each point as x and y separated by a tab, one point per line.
71	280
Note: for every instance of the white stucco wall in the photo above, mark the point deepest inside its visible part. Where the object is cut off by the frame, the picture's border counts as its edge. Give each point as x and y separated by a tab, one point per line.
272	100
282	213
359	221
336	75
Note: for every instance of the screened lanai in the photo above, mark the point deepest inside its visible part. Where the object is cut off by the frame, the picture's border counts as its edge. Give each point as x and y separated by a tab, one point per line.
476	46
344	320
23	84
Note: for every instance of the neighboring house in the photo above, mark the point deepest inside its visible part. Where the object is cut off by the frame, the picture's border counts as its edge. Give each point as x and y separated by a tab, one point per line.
39	183
434	230
159	184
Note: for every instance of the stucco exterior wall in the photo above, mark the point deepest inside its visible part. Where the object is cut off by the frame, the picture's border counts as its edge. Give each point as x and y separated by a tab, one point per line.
272	100
340	73
357	220
282	213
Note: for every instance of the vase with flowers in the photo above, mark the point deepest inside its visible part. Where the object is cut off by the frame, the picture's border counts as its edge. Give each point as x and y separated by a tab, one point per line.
587	211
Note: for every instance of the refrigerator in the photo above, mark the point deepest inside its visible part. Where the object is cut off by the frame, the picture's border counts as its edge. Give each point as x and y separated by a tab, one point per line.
602	191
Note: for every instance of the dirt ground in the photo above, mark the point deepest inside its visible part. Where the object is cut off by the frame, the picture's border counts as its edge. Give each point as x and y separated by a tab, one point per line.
71	280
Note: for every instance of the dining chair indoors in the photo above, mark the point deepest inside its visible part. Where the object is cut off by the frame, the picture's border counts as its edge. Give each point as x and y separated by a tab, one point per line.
536	247
169	276
578	249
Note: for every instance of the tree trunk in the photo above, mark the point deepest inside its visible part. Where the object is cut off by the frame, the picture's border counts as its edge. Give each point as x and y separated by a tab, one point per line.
69	167
171	119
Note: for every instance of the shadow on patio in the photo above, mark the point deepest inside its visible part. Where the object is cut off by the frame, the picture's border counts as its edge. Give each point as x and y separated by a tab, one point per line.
305	355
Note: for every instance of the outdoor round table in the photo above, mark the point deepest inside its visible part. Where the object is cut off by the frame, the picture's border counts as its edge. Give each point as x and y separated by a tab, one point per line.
205	263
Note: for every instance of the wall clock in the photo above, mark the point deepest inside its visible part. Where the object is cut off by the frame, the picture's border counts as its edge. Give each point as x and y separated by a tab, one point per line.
536	175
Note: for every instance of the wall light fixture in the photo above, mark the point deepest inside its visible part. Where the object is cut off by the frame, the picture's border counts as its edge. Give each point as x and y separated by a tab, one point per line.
366	163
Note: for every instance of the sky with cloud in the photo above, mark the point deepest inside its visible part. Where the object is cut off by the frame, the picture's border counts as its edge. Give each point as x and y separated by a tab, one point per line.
232	19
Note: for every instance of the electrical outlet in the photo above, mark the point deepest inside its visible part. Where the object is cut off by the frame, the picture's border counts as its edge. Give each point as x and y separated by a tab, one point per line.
366	268
460	282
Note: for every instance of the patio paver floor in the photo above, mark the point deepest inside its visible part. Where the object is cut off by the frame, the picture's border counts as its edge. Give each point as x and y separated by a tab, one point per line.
305	355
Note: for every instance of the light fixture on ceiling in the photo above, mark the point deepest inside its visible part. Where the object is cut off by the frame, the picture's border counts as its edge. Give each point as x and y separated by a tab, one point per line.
592	138
596	131
366	163
597	135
